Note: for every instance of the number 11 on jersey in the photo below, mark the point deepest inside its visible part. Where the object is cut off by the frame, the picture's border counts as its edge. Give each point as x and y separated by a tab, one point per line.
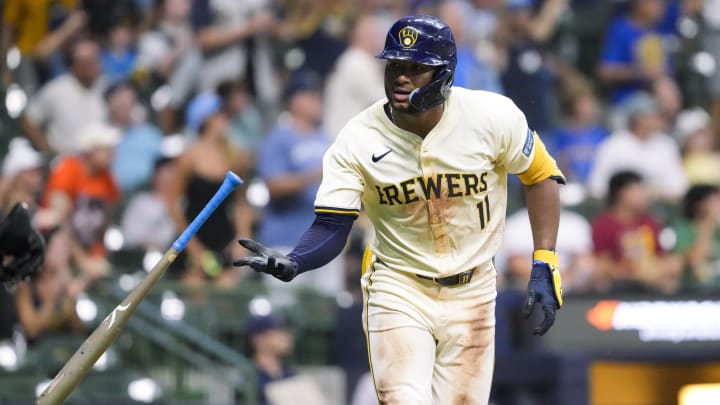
484	212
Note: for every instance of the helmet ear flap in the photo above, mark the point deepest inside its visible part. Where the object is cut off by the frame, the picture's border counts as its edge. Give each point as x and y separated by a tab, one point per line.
435	92
447	83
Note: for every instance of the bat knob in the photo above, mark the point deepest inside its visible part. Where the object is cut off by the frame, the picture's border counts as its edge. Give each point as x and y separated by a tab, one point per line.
233	179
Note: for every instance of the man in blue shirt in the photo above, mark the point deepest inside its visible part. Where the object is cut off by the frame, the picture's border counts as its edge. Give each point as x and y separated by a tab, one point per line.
635	53
290	161
578	139
141	142
474	70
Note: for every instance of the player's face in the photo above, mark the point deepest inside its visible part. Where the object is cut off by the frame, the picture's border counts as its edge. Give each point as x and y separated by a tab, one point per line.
401	78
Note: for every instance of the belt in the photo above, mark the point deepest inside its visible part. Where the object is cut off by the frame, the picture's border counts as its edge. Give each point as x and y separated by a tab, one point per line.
449	281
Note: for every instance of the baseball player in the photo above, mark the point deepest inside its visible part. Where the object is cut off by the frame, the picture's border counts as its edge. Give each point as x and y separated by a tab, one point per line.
429	165
22	247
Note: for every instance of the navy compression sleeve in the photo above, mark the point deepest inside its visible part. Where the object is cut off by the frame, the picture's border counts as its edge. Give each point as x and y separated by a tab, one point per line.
323	241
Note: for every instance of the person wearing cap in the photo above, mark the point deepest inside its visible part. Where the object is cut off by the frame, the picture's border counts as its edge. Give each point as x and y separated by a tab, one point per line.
268	344
21	244
290	162
22	176
642	147
199	172
693	131
81	193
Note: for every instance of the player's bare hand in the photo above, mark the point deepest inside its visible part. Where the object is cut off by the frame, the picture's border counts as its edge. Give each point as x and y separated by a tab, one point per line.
267	260
544	288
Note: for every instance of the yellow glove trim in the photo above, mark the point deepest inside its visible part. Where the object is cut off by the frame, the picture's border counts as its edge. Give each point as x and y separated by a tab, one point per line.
551	258
546	256
542	167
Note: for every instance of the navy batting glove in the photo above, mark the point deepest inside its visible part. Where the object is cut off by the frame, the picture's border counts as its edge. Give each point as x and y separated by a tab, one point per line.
544	288
267	261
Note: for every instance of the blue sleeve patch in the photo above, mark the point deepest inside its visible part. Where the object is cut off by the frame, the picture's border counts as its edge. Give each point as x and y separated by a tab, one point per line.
529	143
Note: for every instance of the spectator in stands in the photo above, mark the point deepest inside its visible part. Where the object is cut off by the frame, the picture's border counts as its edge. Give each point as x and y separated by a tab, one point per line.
577	140
222	30
22	176
698	237
574	252
483	24
473	70
39	31
118	56
669	99
200	170
693	130
345	95
168	50
711	45
528	78
635	56
644	148
626	240
56	116
146	222
103	15
140	142
290	162
46	304
269	345
246	122
81	194
318	30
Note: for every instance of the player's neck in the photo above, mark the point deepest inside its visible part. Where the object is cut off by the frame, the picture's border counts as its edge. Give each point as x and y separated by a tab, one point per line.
419	123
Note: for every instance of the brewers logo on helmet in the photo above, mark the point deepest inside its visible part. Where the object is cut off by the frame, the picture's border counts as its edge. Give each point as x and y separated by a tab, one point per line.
408	36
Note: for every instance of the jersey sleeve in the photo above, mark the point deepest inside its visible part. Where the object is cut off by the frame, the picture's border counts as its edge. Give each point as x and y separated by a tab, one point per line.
342	184
516	140
524	153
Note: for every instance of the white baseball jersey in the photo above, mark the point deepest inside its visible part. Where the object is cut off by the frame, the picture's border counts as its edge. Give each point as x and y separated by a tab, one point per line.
437	204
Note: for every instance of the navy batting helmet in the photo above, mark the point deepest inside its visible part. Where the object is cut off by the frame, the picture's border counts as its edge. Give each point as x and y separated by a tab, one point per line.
428	41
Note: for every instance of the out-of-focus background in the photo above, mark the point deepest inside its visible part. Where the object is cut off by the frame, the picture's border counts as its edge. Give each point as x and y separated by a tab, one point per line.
119	119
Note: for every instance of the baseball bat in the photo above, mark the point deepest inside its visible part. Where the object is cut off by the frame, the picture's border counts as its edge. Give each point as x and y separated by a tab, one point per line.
85	357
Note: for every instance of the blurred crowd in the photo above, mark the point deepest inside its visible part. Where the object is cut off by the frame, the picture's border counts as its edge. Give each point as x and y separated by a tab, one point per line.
123	116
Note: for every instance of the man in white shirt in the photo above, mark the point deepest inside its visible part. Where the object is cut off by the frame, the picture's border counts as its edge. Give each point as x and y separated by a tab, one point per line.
345	95
57	115
642	147
574	251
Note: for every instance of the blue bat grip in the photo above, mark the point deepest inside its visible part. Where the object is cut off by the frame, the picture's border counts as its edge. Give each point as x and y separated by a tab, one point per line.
231	181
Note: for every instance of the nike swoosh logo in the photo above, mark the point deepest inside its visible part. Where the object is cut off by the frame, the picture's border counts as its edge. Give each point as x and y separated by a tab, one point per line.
375	159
